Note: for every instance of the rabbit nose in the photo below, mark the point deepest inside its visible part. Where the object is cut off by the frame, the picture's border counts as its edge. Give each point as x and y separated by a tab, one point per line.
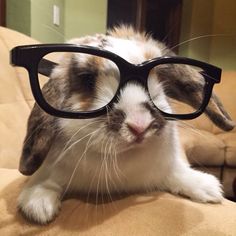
137	129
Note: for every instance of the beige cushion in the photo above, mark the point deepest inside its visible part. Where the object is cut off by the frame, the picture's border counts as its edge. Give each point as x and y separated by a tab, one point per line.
230	148
202	147
15	99
137	215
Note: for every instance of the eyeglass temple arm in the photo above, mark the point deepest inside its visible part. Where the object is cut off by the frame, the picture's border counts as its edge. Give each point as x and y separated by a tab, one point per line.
45	67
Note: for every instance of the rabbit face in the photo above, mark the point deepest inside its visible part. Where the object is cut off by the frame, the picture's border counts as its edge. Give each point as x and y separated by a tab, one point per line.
91	82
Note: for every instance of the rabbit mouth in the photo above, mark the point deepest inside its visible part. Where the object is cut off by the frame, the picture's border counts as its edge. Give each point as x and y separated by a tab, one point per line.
136	143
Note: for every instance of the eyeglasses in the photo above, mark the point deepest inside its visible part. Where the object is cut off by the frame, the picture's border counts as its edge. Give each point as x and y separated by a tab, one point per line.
86	81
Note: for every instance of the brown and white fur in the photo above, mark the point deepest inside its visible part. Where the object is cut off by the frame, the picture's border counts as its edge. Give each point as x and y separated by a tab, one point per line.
131	149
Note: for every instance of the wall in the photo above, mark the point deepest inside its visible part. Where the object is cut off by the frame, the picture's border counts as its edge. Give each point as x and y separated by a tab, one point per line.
196	22
42	27
18	15
84	17
223	48
78	18
215	21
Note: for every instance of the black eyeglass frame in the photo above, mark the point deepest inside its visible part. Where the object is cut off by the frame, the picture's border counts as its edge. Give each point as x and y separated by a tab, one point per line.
29	57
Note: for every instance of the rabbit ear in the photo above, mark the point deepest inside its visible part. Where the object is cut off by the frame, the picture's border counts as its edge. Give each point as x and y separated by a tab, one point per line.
184	80
39	138
216	112
42	128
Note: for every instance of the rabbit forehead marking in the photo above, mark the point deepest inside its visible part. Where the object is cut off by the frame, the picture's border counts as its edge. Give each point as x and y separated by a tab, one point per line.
133	51
131	96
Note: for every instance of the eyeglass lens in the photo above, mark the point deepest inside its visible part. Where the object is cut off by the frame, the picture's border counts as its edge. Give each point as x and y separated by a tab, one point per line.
173	87
80	82
83	82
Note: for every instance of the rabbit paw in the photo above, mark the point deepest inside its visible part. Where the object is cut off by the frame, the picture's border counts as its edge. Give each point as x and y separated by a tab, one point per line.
38	204
206	188
198	186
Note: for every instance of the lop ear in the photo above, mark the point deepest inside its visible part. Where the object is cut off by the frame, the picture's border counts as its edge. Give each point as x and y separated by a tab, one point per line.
182	81
217	113
42	128
41	131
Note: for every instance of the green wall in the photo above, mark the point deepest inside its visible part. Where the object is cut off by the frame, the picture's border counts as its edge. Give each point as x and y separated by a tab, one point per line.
18	15
77	18
42	27
83	17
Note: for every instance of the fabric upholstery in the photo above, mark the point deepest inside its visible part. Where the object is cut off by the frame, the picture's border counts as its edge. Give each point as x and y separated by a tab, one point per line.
15	100
138	215
150	214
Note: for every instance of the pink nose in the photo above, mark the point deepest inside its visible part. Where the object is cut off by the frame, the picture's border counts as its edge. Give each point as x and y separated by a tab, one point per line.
137	129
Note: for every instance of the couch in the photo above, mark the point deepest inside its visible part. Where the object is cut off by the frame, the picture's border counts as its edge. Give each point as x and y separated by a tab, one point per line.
210	149
145	214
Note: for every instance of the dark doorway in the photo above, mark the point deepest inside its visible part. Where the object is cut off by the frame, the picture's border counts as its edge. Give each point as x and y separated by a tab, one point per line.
161	18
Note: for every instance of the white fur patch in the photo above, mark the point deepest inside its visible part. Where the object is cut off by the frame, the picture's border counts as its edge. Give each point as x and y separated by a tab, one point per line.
157	94
132	51
131	96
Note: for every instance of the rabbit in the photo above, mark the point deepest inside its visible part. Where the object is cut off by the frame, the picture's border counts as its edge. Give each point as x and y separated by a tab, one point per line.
131	149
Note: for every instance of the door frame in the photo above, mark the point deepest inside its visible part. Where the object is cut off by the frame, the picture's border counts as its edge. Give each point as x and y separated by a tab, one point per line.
161	18
2	12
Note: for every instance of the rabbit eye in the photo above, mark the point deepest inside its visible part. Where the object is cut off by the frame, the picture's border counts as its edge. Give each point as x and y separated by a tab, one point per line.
83	82
87	80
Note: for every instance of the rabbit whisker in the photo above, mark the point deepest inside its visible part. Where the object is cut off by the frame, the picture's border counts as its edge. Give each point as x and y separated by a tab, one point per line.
77	132
88	144
73	144
193	39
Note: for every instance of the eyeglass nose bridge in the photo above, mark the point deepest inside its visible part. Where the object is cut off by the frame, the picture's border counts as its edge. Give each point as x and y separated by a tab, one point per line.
135	74
130	74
